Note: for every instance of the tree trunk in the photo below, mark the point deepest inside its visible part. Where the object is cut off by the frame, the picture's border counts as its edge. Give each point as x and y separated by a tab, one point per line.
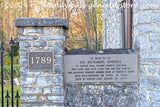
87	20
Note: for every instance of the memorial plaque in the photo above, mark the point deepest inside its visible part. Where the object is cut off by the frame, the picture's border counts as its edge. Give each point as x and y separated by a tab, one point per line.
40	60
101	68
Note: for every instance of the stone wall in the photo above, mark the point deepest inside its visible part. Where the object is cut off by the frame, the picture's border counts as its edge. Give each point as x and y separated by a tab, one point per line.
146	40
101	94
41	88
112	25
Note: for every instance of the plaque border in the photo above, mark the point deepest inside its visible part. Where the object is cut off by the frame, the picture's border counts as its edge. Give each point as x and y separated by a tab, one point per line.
42	69
107	83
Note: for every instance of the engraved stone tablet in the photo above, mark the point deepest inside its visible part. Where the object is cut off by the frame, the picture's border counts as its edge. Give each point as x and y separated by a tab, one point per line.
40	60
101	68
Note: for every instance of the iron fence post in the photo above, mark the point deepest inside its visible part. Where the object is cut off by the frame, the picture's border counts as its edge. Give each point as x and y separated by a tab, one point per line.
11	43
2	74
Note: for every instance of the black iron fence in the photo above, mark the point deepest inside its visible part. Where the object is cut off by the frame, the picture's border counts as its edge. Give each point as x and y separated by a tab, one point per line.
7	96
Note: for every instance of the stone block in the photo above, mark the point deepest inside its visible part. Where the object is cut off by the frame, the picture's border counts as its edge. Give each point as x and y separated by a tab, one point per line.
42	105
28	98
23	52
47	90
58	69
155	47
143	69
41	22
145	17
52	30
34	30
51	37
39	44
28	38
58	60
59	80
57	91
152	69
44	81
20	31
143	95
155	104
150	57
150	82
42	98
156	17
59	44
155	96
31	91
143	43
50	44
57	51
24	61
56	99
147	29
159	71
154	38
24	72
27	81
24	44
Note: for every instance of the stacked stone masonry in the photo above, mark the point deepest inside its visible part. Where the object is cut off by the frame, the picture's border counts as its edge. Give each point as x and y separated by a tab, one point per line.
146	40
41	88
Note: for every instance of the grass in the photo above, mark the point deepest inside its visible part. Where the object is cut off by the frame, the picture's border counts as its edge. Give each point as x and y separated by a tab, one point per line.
7	72
8	87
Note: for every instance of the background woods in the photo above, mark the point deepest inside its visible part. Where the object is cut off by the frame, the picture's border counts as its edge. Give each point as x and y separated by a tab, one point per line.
84	16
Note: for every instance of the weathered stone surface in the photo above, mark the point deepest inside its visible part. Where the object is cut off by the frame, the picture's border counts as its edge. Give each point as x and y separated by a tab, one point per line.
150	57
42	105
23	52
28	38
23	61
155	104
155	47
145	17
50	44
41	22
154	38
152	82
44	81
31	91
152	69
59	80
56	99
58	69
155	96
58	60
34	30
20	31
57	51
28	98
147	29
40	44
57	91
143	43
157	20
102	95
49	38
27	81
25	44
59	44
42	98
47	90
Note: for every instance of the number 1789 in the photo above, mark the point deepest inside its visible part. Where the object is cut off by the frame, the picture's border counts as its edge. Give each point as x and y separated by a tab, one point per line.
42	60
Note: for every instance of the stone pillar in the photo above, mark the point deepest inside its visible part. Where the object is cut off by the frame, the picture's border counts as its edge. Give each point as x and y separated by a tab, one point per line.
42	88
